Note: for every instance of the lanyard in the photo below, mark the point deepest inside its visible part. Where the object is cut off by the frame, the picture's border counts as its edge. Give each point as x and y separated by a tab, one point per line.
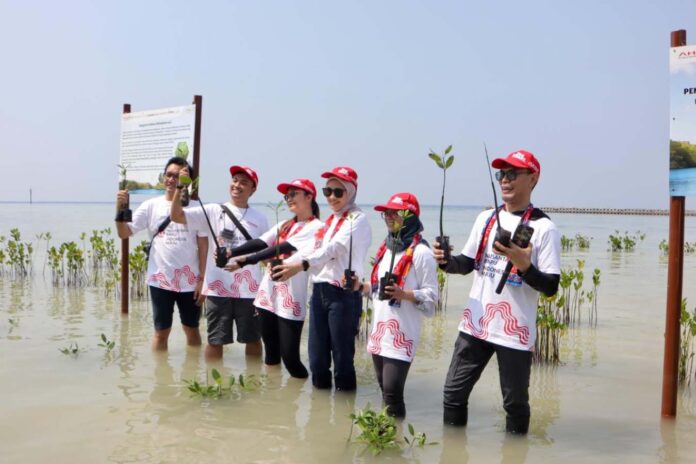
487	231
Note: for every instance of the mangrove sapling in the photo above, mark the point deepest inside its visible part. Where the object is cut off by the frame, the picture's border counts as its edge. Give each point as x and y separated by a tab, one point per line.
377	429
276	208
349	273
123	211
19	254
137	266
72	350
220	389
443	162
220	251
686	349
107	344
390	278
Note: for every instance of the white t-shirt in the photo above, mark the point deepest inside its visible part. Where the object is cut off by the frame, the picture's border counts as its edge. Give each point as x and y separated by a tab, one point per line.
396	329
508	319
243	283
332	254
289	299
173	263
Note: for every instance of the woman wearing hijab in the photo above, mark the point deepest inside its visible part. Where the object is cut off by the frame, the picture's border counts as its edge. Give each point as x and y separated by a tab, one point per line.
282	305
335	312
412	294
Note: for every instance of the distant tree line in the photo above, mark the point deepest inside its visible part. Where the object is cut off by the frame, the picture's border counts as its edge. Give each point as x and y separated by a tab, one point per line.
681	155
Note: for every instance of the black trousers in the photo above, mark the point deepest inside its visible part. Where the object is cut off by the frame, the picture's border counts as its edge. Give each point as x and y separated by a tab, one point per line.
391	376
468	361
281	340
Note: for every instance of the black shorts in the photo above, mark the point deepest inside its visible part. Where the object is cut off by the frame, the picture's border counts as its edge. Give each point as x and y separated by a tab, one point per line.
221	313
163	308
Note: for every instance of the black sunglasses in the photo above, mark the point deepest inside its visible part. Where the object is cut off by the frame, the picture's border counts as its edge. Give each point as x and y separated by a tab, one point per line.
291	194
337	192
511	174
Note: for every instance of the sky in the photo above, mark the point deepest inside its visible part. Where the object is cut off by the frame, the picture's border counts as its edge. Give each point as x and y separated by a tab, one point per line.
294	88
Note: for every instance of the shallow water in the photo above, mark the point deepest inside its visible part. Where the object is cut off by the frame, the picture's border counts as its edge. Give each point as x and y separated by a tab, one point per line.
601	405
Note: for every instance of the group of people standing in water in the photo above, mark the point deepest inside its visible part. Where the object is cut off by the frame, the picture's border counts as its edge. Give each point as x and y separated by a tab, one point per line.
210	256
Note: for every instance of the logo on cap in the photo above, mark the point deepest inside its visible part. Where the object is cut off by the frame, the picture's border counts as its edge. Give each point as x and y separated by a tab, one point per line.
519	156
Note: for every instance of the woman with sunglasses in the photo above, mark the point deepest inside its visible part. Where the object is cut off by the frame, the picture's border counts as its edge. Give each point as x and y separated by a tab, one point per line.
282	305
335	312
396	320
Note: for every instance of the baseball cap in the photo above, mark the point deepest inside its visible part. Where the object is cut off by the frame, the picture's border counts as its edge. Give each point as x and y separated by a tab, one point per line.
304	184
401	201
343	173
246	170
518	159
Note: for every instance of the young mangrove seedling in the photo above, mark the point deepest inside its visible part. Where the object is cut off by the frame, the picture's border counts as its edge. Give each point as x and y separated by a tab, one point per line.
219	388
377	429
72	350
106	344
390	278
443	162
123	211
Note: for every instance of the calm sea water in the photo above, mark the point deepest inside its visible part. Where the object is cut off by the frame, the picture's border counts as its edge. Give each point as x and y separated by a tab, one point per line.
601	405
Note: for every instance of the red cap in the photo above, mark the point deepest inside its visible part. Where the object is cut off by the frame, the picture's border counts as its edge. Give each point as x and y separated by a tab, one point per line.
303	184
343	173
248	171
401	201
518	159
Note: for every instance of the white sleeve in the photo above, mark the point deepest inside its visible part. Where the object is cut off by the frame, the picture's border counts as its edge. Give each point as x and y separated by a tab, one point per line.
141	217
339	244
472	243
425	268
549	253
196	218
270	235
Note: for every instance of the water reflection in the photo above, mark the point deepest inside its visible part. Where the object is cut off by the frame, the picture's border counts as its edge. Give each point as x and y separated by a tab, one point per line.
544	399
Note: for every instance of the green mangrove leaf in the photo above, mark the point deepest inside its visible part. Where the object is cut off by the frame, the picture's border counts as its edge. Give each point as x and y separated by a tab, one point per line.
449	162
182	150
185	180
435	157
448	149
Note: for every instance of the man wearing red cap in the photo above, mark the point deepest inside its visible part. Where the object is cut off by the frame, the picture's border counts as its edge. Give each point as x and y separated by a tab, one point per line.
502	323
230	295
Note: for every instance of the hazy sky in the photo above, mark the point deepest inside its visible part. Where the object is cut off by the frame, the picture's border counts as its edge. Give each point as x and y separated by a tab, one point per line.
295	88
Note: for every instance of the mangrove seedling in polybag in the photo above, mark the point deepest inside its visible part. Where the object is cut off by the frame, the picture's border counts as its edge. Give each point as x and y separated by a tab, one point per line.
443	162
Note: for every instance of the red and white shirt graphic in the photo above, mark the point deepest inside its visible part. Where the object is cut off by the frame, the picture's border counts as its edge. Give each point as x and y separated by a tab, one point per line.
396	330
508	319
173	263
243	283
289	299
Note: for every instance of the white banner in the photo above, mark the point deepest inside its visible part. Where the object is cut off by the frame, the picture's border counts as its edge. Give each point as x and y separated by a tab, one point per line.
682	130
149	139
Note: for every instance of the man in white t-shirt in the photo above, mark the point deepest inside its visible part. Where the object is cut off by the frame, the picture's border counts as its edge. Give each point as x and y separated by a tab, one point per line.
176	262
502	322
230	295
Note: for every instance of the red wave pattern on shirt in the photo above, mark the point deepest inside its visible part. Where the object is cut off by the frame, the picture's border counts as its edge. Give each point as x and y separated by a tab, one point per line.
288	301
400	341
239	278
263	302
174	285
219	288
511	326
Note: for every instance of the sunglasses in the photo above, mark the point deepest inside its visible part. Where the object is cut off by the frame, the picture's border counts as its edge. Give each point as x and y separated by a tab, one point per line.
337	192
390	213
511	174
290	195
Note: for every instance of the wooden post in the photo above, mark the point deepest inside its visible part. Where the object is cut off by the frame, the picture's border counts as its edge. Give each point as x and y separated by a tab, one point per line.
198	101
675	268
124	255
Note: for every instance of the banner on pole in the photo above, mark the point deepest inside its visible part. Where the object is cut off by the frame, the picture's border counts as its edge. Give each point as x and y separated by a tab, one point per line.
682	130
149	139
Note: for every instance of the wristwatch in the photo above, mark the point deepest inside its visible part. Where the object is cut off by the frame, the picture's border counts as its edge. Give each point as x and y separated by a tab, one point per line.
305	265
